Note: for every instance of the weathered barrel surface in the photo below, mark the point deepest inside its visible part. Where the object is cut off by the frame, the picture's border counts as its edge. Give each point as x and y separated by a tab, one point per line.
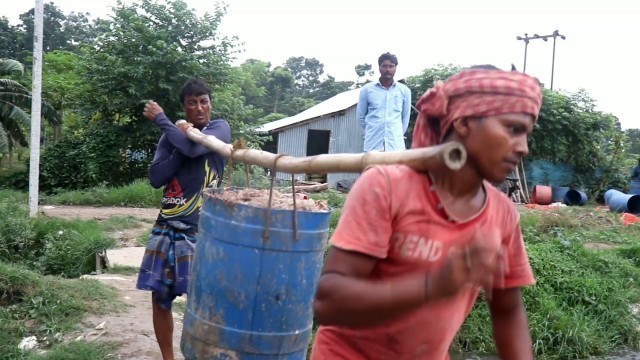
250	296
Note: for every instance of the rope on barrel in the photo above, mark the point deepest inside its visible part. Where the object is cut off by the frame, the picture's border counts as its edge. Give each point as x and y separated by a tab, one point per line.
246	169
230	165
295	212
265	232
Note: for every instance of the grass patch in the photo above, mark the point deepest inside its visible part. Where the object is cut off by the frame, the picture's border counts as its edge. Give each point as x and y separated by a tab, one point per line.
136	194
333	222
124	270
179	307
143	238
48	245
115	223
335	199
43	306
581	304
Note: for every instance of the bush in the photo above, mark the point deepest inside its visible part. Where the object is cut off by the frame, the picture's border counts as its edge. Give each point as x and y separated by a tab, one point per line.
103	152
14	176
18	196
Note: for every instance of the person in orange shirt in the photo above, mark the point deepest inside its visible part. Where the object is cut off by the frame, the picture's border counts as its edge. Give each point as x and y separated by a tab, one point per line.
413	250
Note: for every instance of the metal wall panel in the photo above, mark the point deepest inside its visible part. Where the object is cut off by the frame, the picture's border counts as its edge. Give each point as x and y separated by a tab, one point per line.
346	137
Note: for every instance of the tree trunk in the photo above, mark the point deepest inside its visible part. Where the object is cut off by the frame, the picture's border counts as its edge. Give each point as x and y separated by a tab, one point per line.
275	106
57	129
10	153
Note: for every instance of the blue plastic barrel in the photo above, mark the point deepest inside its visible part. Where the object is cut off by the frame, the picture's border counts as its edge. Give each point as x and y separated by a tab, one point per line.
575	197
608	194
621	202
558	193
251	297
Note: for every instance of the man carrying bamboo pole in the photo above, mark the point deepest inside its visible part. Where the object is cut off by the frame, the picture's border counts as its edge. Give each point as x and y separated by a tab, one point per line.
185	169
412	250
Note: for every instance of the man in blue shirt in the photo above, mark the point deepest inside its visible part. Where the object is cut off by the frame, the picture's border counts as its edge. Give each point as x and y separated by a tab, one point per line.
383	109
185	169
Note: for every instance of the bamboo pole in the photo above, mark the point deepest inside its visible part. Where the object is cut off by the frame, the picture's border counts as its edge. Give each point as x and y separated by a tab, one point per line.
450	155
524	181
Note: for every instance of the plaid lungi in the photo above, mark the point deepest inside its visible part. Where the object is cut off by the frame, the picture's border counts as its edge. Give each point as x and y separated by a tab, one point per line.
166	264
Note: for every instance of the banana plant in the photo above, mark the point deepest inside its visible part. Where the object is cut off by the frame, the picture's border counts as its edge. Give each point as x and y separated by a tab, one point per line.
15	101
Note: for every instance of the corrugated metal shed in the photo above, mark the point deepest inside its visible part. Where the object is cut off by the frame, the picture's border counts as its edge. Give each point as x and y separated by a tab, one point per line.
346	137
334	104
337	115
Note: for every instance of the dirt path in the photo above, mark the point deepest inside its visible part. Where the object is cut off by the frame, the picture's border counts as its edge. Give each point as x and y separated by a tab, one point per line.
132	328
98	213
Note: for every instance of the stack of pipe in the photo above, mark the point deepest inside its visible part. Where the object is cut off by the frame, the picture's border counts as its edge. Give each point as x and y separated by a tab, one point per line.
545	195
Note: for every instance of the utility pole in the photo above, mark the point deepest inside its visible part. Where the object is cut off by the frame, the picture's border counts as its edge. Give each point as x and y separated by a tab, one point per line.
36	103
553	59
526	39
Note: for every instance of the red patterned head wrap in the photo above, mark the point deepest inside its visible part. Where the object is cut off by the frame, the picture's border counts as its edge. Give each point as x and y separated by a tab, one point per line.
473	93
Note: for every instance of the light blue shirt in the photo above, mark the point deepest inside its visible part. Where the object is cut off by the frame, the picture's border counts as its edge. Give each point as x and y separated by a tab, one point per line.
384	115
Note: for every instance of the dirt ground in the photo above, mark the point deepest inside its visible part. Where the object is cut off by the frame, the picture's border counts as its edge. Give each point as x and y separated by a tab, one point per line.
98	213
132	327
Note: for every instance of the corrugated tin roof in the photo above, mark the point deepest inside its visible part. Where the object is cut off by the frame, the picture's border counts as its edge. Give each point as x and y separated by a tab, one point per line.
334	104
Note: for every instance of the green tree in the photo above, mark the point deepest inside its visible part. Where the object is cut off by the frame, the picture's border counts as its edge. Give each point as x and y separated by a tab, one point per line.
150	49
10	37
15	102
307	74
330	87
253	78
62	83
569	131
60	32
633	135
364	72
297	105
53	38
79	29
280	81
288	89
419	84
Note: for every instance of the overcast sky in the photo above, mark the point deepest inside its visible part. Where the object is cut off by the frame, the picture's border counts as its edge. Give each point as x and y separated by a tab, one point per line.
599	53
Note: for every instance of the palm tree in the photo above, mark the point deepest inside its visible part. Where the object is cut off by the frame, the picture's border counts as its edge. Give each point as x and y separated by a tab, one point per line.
15	99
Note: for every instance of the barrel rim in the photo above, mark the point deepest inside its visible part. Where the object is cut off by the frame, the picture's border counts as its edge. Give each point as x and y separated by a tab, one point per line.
207	195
